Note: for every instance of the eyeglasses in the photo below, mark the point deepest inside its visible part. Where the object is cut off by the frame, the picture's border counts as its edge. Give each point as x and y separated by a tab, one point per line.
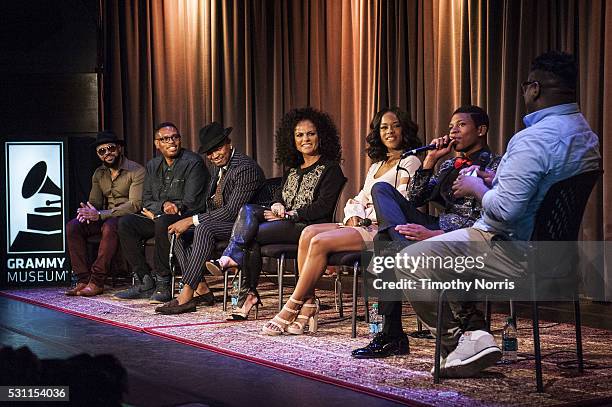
393	126
526	84
102	151
169	139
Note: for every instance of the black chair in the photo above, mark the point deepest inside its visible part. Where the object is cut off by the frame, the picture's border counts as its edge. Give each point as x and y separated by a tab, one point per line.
354	260
267	191
282	252
558	219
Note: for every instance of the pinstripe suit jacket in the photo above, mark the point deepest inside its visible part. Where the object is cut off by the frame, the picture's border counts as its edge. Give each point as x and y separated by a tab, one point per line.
239	184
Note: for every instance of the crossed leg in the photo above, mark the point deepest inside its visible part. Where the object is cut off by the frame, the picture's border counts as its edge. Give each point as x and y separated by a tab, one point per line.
316	243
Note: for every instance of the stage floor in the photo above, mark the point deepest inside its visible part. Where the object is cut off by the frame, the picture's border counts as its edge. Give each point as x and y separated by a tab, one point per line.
162	372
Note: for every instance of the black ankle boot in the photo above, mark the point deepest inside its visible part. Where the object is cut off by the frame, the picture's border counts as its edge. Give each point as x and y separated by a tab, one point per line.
141	289
162	292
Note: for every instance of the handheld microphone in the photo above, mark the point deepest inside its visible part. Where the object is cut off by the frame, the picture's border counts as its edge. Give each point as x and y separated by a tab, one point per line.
365	222
292	218
483	160
417	150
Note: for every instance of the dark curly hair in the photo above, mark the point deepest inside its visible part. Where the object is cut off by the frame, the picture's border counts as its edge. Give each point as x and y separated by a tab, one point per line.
560	64
376	150
287	154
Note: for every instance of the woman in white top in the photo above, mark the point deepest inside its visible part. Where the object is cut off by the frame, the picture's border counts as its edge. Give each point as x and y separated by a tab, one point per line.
391	133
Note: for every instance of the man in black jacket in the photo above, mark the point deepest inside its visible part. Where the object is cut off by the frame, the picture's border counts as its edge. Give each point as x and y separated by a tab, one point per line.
174	188
236	179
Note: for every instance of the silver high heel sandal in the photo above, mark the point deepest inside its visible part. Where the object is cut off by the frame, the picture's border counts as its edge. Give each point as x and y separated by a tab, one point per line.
297	327
277	321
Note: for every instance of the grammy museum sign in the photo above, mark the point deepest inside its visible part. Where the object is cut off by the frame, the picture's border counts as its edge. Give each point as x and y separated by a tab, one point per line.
35	204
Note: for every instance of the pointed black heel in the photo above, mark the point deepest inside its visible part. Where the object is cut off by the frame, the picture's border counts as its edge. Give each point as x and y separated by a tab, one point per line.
243	316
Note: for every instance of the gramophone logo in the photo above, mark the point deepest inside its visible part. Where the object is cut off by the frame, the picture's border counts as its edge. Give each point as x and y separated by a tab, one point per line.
34	187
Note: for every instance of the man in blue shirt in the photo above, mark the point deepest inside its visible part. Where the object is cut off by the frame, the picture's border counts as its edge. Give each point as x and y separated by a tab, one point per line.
557	144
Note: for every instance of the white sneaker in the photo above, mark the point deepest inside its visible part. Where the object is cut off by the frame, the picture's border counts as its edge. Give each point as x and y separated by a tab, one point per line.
476	351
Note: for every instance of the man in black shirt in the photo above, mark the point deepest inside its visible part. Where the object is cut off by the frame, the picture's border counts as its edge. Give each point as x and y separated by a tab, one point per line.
174	188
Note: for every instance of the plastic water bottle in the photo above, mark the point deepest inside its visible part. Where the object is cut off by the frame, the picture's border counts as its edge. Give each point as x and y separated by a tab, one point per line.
234	295
376	320
509	342
73	280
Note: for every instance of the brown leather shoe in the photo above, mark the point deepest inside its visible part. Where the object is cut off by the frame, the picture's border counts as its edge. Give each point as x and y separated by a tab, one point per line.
75	290
91	290
173	307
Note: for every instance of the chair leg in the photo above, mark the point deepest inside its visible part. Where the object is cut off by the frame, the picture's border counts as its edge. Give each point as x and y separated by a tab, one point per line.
366	303
296	274
488	306
281	266
354	317
513	313
438	338
488	313
420	332
225	281
340	304
536	347
578	336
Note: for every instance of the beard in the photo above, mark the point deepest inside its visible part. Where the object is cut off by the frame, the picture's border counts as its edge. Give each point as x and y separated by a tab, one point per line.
114	164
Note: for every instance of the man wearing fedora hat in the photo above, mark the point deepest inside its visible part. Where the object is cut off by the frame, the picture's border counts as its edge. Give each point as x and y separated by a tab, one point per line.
174	188
116	190
236	179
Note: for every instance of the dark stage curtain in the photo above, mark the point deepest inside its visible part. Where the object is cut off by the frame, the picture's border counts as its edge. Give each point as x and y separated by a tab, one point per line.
245	63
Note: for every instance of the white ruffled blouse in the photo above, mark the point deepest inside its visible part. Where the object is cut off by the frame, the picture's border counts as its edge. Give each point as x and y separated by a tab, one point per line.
361	205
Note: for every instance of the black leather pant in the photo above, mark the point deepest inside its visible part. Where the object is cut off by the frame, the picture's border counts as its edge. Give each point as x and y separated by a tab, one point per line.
250	232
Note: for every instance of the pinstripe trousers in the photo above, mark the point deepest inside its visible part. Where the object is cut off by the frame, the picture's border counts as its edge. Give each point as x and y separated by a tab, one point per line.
192	257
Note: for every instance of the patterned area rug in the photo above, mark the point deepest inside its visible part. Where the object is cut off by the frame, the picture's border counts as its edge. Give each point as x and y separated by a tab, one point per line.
326	355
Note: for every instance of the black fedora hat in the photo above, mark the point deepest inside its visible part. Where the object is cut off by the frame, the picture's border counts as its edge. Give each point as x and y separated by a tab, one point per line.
104	137
211	135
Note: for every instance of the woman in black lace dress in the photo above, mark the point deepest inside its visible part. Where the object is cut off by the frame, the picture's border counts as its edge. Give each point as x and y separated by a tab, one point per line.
308	147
